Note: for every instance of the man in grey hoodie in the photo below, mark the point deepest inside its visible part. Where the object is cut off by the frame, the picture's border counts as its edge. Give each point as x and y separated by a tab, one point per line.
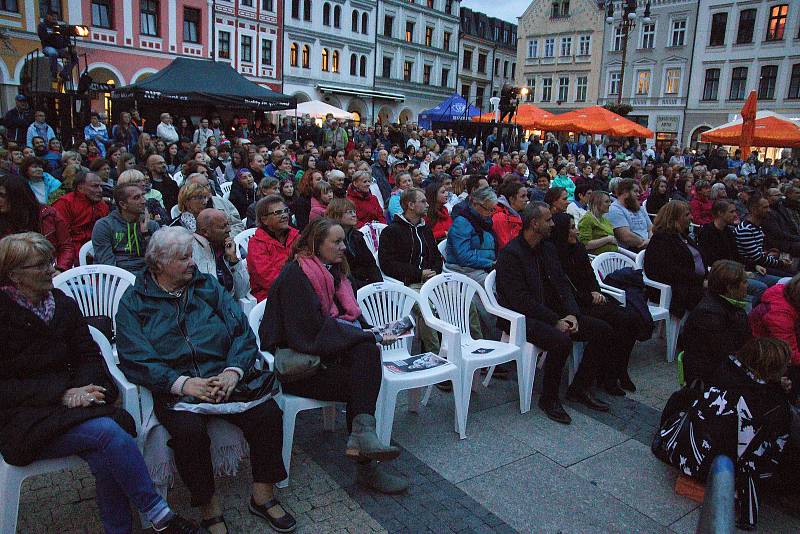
120	239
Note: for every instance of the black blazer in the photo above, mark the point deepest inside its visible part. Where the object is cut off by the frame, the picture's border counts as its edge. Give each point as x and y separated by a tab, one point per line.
669	260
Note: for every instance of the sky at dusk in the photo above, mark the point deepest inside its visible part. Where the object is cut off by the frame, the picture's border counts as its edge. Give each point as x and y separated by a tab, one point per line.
502	9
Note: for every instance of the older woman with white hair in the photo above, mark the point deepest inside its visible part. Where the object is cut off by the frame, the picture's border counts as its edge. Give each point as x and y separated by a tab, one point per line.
183	337
57	398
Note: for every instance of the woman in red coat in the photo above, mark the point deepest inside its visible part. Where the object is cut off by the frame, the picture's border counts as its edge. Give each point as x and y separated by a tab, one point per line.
20	212
506	221
438	217
367	207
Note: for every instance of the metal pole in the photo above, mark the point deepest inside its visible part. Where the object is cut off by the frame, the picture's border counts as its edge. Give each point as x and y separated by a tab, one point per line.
625	26
717	515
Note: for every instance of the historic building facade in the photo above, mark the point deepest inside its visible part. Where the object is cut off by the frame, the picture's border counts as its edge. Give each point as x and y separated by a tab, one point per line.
559	52
487	59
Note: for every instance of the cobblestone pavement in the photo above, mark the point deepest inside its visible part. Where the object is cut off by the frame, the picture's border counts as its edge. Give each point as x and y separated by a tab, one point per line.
514	472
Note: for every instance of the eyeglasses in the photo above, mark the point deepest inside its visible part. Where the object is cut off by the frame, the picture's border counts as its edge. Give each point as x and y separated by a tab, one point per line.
350	212
284	211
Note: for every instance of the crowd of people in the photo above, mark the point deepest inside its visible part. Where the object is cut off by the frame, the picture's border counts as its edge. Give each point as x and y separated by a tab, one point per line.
165	203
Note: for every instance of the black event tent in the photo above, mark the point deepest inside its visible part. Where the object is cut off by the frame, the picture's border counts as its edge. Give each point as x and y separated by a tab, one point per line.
197	82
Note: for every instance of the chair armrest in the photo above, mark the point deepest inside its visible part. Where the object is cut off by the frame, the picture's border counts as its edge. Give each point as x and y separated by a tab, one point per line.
664	291
517	320
450	334
247	303
129	395
614	292
268	359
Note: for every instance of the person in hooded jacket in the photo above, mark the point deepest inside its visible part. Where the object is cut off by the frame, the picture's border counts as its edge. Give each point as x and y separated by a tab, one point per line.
613	374
506	222
270	247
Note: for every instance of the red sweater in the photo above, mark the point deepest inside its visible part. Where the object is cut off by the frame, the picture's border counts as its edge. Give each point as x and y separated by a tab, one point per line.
57	232
776	317
266	256
505	225
367	207
443	224
80	214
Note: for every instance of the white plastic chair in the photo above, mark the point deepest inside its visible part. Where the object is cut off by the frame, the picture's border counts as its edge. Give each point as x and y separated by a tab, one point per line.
226	189
96	288
12	477
673	324
290	404
608	262
242	239
83	254
384	303
372	233
450	294
175	212
442	246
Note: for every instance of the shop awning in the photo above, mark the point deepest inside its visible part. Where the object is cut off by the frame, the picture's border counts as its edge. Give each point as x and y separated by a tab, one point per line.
366	93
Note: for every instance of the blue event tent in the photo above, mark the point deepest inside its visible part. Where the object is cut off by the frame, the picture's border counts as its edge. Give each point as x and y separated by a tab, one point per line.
452	109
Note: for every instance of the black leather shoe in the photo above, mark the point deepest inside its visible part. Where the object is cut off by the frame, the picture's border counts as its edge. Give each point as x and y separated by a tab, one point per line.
285	523
555	411
181	525
586	398
626	384
445	386
612	388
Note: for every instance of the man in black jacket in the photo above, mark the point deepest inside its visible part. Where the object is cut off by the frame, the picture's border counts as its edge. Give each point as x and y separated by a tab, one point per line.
779	227
407	251
530	281
55	44
17	120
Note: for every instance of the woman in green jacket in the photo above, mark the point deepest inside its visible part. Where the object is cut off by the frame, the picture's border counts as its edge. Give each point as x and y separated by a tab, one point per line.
594	230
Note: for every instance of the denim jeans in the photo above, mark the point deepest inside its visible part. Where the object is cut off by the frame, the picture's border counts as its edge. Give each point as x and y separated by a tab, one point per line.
54	54
118	468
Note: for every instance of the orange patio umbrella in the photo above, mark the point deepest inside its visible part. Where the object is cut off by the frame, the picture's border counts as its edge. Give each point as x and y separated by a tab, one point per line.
770	129
748	122
595	120
528	116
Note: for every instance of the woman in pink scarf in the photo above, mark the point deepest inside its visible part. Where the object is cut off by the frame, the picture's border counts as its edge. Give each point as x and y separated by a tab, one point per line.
312	309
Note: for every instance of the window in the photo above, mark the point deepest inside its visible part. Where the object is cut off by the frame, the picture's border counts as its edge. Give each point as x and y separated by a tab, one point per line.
353	64
719	23
101	12
738	83
430	4
148	17
387	67
496	67
547	89
585	45
446	41
409	32
445	77
246	49
335	61
388	22
505	69
648	35
766	84
224	48
580	88
643	82
563	89
678	33
307	10
711	85
533	48
513	70
673	84
560	9
266	51
267	5
465	92
618	40
324	65
777	22
428	36
466	62
407	68
354	21
10	5
448	7
295	9
614	83
794	82
337	17
326	14
549	47
306	57
482	63
49	6
479	97
191	25
364	23
362	67
747	21
531	89
426	74
247	3
566	46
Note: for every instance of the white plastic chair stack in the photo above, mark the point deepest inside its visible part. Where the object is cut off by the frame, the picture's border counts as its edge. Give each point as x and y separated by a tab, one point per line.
290	404
385	303
12	477
83	254
451	294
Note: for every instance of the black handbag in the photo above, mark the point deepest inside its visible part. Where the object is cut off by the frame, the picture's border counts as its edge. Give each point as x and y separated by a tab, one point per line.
255	384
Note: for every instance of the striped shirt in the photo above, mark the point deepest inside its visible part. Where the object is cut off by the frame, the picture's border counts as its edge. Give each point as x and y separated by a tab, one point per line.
750	244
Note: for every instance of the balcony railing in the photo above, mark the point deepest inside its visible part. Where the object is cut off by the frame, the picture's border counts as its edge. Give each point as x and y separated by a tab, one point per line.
645	101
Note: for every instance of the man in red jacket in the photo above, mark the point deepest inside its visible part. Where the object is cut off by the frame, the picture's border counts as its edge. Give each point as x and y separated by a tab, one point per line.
82	208
269	248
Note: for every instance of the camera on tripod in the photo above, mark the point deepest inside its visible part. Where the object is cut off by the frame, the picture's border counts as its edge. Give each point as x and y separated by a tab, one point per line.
71	30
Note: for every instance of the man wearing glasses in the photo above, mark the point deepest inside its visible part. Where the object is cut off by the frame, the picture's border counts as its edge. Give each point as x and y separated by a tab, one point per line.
269	248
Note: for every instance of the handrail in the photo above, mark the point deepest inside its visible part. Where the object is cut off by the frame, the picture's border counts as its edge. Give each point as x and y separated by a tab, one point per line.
717	515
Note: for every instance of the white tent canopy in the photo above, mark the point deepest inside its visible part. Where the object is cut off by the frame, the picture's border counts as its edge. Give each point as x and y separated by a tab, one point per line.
318	110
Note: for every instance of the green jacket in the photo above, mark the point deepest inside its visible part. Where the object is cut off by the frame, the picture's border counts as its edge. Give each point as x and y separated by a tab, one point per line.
161	338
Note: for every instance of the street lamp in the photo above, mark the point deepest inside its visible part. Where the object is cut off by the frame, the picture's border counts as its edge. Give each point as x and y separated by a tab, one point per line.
625	25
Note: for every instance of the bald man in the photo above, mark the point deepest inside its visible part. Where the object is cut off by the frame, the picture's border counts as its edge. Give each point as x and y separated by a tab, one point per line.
219	203
214	252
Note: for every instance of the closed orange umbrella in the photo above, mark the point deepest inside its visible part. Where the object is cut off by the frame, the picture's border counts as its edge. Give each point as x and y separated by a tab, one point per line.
769	130
748	123
595	120
528	116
